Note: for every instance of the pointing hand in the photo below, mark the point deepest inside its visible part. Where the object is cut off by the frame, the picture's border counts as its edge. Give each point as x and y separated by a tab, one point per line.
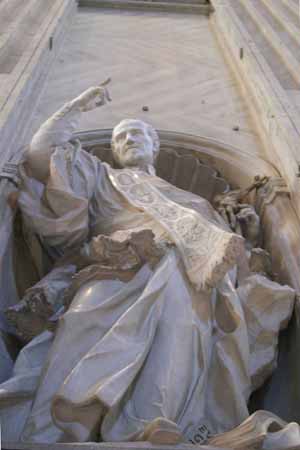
94	97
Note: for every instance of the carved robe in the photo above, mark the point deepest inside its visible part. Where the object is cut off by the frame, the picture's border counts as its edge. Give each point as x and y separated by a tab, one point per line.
162	345
166	343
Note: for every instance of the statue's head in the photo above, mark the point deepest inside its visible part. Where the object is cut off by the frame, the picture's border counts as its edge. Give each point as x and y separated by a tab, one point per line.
134	143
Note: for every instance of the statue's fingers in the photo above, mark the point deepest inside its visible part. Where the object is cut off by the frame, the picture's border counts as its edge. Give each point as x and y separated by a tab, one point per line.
100	102
92	91
107	94
231	215
105	83
228	220
222	211
238	229
233	221
86	97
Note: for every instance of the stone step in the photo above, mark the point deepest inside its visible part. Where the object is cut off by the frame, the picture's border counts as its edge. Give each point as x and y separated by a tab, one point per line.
96	446
281	14
293	7
275	34
261	41
183	2
177	6
274	27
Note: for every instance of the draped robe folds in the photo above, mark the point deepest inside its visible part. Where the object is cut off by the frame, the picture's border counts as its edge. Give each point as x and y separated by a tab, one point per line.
157	346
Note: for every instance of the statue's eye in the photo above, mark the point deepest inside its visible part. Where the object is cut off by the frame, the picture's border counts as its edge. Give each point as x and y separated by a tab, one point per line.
136	132
119	137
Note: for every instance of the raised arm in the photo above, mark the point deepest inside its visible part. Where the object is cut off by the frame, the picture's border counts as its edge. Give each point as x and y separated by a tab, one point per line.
59	129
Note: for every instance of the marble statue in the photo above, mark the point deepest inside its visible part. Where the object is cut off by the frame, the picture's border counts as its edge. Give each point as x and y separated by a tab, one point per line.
147	329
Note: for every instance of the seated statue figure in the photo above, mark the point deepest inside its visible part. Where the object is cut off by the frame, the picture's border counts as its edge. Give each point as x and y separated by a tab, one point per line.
161	337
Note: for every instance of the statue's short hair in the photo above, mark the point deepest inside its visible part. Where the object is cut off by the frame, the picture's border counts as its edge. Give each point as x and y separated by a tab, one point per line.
151	130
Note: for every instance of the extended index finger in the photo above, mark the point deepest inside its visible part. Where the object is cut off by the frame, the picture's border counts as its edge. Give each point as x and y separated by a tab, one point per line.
108	97
105	83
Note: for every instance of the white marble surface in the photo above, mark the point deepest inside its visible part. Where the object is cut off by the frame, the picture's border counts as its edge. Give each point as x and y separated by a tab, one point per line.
168	62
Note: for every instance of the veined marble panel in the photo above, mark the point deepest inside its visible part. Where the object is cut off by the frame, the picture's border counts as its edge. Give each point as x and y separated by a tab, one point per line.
170	63
31	33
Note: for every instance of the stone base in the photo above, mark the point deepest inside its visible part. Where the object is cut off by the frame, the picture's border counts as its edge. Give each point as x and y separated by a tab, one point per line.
187	7
99	446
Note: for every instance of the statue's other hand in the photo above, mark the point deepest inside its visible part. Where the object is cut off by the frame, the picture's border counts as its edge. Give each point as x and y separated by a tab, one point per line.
93	97
29	316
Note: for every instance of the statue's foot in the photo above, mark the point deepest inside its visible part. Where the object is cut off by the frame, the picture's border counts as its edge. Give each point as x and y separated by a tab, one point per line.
161	431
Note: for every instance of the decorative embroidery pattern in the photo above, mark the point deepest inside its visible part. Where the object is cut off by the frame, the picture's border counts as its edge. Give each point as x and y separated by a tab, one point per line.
207	251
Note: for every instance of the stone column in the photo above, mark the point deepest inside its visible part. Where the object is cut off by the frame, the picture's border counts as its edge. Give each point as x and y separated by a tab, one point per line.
281	230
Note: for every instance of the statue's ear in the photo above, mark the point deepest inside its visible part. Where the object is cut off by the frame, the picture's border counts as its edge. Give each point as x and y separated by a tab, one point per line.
115	162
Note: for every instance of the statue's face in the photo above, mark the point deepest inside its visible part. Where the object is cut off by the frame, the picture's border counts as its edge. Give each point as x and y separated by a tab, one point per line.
133	143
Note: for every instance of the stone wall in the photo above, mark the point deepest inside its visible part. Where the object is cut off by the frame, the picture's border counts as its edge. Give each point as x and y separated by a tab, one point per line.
30	39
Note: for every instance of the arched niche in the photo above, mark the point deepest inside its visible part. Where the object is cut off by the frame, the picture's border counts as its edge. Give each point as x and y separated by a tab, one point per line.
237	167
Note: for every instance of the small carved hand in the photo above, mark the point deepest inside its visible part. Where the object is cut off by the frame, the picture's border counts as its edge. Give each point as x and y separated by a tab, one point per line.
93	97
29	316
